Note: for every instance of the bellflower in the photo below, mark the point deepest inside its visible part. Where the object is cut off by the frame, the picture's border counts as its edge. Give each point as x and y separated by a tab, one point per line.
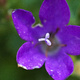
49	42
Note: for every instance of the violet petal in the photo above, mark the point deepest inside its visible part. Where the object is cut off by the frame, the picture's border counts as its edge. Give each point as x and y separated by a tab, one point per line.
70	35
23	21
54	13
59	67
29	56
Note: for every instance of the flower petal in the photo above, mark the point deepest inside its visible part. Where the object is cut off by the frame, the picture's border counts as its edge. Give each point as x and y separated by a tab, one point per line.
23	21
29	56
70	35
54	13
59	67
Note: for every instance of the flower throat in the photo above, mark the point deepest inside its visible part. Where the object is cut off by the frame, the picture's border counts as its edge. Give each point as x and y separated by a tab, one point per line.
50	43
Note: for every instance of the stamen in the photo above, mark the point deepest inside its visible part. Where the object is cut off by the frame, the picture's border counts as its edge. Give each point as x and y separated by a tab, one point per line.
46	53
53	34
48	42
62	45
57	30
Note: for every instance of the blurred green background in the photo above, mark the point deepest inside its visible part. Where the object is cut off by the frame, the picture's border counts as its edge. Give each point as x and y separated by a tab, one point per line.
10	41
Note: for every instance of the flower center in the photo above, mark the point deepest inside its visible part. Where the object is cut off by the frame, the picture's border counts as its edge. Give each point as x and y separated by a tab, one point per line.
50	43
46	39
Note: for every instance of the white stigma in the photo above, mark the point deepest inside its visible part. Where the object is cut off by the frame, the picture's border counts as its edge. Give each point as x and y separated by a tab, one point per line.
48	42
47	35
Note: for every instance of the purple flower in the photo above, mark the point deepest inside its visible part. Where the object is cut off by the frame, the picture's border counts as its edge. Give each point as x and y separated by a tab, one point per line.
50	42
